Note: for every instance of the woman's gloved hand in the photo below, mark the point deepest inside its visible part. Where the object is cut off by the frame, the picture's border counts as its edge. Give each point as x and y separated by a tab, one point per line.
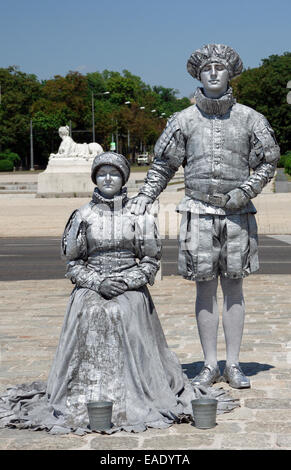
111	287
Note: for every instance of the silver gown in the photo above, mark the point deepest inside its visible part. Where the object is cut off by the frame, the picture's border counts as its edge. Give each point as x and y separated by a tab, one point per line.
229	154
109	349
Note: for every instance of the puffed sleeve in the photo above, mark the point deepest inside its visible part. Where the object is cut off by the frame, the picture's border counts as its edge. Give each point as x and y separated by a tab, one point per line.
74	251
148	250
263	159
169	154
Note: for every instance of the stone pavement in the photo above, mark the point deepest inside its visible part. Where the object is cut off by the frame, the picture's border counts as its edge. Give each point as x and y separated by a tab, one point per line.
31	317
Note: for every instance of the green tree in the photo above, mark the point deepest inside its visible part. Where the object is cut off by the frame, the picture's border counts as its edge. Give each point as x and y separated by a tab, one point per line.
111	90
68	100
18	92
63	100
67	96
264	89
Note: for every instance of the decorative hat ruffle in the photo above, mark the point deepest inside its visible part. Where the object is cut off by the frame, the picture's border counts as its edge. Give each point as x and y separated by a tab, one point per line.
215	53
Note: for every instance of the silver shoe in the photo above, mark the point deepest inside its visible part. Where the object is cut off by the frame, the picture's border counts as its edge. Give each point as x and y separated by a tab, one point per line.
208	376
235	377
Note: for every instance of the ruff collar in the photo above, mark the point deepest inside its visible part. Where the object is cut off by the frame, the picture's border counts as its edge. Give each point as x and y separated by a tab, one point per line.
214	106
116	203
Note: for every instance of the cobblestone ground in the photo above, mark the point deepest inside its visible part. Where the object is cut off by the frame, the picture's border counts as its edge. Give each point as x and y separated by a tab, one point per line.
31	317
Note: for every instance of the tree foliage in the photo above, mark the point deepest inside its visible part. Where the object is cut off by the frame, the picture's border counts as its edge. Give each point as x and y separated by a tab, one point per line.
68	101
18	92
265	89
125	108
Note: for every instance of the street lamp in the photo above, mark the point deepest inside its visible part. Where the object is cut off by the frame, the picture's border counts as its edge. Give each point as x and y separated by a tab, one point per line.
289	94
93	118
31	147
128	133
93	111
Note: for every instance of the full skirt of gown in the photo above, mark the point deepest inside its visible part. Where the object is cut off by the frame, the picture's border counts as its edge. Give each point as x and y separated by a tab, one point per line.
113	350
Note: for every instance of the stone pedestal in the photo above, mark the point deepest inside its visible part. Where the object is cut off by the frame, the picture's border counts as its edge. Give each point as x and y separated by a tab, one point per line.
66	177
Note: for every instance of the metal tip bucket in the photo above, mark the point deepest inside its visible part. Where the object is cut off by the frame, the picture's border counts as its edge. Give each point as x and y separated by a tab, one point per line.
204	412
100	414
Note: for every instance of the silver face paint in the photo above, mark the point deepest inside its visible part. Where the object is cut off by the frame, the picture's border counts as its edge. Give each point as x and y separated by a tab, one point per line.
108	180
214	78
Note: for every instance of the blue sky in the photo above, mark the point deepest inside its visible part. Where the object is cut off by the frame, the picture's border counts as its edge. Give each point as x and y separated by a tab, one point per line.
152	39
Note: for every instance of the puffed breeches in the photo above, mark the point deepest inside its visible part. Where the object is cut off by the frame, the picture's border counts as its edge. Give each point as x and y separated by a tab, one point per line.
215	245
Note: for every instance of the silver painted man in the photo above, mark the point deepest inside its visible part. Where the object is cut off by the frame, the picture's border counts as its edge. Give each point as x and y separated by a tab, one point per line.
229	153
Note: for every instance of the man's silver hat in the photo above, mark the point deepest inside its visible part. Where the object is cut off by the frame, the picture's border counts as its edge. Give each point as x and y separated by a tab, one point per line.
215	53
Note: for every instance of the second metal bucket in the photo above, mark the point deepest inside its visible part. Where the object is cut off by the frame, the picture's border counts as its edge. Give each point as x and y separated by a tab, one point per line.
100	414
204	412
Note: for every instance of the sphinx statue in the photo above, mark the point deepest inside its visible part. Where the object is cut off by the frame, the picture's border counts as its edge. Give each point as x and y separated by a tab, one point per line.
67	170
70	149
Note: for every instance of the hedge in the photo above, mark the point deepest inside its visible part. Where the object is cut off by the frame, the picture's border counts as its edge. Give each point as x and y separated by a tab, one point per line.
8	160
6	165
287	162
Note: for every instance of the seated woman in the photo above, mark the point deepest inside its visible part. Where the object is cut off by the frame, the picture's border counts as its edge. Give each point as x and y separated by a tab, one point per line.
112	345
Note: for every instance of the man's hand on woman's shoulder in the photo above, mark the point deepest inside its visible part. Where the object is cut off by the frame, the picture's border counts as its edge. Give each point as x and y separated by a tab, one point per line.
139	204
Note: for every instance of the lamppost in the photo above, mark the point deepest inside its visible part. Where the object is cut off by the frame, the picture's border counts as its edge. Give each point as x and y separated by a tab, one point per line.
289	94
141	143
93	110
128	133
31	147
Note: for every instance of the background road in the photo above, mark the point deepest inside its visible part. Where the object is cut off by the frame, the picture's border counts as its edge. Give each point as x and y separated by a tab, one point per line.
39	257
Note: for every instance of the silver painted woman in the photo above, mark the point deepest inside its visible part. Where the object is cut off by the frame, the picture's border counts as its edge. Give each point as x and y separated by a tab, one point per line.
112	346
229	154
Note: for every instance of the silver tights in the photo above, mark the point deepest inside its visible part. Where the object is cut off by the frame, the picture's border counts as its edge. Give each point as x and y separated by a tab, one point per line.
207	316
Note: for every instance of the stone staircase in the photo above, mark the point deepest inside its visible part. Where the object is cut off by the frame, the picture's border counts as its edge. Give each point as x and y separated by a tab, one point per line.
18	188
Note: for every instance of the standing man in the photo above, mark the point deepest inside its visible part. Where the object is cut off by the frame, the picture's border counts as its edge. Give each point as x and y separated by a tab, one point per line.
229	154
